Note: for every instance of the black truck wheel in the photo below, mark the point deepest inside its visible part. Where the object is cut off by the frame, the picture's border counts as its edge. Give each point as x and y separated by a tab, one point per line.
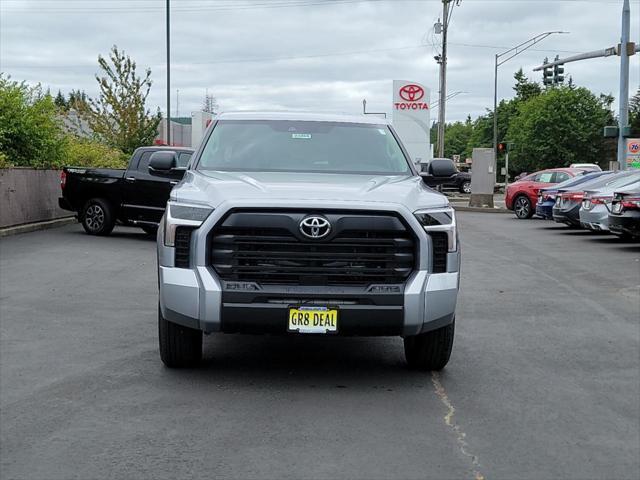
180	346
431	350
97	217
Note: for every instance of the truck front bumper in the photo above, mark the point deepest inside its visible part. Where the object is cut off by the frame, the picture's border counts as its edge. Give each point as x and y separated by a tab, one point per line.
196	298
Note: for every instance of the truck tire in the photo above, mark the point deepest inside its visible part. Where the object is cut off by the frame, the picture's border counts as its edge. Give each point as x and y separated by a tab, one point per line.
431	350
97	217
465	187
180	346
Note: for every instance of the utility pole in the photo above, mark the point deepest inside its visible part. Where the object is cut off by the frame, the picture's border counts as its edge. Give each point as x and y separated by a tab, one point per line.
443	77
623	115
168	77
624	50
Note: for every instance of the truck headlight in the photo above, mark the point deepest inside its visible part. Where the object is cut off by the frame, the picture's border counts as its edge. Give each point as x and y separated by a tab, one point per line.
441	219
178	214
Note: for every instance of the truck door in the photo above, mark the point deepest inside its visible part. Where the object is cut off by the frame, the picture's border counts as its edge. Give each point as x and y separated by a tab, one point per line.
145	194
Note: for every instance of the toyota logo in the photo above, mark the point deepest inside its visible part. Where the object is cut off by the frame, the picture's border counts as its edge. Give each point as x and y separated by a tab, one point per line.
315	227
411	92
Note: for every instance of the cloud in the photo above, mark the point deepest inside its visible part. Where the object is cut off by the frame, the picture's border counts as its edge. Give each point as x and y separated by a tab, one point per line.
322	55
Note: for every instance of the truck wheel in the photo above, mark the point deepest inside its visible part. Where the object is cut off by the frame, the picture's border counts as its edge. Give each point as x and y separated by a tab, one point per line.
179	346
522	207
431	350
97	217
465	187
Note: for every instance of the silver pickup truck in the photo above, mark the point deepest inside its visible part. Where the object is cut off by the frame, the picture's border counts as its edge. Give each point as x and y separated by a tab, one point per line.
307	224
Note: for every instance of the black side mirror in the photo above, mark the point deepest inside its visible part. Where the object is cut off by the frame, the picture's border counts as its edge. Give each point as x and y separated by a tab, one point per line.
163	161
442	167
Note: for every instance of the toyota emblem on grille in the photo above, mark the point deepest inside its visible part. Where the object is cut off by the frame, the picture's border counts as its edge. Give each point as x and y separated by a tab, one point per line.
315	227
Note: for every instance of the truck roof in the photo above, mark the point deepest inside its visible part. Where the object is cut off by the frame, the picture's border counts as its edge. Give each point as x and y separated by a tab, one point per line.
165	147
302	116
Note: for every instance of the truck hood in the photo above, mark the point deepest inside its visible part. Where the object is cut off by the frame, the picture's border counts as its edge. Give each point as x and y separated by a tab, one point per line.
214	187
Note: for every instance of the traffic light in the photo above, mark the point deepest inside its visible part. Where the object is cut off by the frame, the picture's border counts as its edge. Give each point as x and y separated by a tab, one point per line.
502	147
547	74
558	73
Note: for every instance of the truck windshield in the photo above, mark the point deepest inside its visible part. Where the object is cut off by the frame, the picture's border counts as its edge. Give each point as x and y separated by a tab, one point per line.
303	146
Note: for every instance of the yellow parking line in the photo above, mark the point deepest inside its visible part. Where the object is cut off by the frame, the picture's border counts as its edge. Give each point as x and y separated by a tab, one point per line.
457	429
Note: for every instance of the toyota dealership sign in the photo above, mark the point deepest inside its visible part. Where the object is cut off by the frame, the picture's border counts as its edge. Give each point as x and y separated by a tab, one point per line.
411	118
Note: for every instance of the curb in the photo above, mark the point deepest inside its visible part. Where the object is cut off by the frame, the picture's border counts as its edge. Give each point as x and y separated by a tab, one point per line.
32	227
465	208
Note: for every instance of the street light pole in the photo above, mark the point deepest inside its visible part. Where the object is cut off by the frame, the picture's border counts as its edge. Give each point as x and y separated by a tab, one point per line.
512	52
168	77
623	115
495	111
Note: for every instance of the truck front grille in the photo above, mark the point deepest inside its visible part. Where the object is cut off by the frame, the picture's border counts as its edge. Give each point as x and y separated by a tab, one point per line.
272	252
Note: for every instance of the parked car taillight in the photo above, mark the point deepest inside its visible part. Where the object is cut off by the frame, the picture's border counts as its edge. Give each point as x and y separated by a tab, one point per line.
63	179
600	200
577	196
631	203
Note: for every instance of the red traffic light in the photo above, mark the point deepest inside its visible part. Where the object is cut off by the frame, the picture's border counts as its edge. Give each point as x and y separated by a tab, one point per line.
502	147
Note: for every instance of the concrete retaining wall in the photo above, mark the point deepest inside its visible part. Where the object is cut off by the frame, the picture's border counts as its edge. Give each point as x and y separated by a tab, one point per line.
28	195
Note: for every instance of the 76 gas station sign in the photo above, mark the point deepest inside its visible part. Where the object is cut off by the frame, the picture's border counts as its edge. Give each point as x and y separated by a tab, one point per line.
633	153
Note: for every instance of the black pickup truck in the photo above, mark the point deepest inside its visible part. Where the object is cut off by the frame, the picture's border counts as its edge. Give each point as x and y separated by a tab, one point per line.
135	196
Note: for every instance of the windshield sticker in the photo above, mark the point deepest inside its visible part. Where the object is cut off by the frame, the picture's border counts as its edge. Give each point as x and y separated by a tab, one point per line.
304	136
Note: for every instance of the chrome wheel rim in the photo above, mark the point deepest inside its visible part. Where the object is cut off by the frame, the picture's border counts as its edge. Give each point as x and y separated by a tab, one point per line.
522	207
94	217
466	187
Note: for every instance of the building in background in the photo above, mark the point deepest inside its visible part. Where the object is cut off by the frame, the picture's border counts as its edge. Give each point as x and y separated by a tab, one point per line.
185	131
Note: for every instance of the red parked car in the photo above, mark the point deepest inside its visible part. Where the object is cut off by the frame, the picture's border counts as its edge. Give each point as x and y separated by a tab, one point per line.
522	196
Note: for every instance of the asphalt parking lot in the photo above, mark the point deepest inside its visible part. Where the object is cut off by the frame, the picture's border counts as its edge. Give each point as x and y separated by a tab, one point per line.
544	380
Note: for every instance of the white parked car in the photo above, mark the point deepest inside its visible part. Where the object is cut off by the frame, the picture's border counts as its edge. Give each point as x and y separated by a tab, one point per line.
586	166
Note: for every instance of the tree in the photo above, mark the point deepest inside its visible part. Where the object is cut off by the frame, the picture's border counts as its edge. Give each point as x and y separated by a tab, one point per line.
30	128
210	104
60	101
78	100
456	138
634	113
119	117
524	88
561	126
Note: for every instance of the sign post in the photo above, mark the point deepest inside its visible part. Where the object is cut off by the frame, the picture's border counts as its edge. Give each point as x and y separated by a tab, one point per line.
411	112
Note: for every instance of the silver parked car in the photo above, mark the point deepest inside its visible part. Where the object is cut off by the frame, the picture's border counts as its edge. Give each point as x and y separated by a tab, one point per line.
596	203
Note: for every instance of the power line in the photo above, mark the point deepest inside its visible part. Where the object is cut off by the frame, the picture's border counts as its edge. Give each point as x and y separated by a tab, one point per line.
290	57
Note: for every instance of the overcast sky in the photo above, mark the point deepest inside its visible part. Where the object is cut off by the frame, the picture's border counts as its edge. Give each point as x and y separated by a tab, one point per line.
309	54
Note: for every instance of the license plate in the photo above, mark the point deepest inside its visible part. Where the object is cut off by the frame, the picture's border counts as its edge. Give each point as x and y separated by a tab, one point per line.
313	320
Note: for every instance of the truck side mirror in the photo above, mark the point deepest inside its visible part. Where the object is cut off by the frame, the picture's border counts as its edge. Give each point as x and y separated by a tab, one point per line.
441	167
163	161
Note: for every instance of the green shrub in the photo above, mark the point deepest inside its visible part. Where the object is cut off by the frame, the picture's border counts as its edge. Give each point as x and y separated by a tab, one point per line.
4	161
31	133
89	153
